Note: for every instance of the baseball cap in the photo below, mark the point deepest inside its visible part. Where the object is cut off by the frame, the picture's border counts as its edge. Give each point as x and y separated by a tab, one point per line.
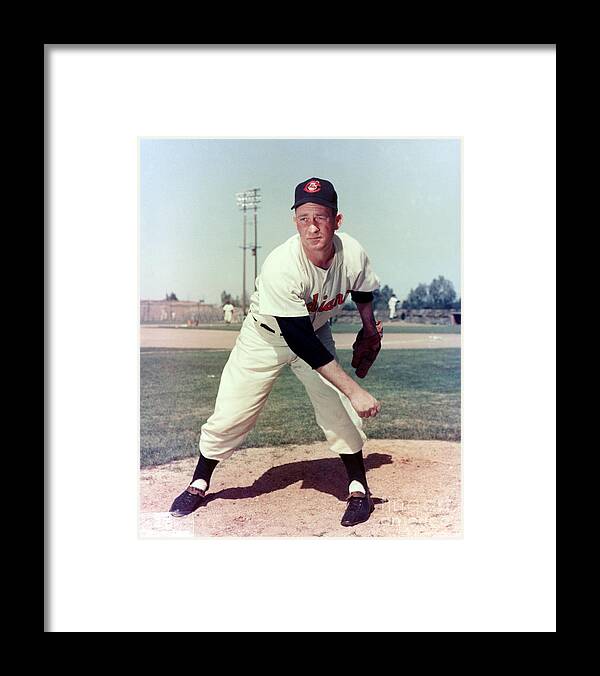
317	190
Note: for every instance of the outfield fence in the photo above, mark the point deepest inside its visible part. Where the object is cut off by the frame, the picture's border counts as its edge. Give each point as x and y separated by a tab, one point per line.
198	313
183	312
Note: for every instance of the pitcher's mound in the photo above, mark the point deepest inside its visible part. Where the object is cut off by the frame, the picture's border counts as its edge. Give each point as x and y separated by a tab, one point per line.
300	491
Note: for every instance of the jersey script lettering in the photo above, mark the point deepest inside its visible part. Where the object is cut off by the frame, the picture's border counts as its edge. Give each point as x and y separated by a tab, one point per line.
314	306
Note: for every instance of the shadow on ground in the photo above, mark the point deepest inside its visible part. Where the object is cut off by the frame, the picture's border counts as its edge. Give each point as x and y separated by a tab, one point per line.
326	475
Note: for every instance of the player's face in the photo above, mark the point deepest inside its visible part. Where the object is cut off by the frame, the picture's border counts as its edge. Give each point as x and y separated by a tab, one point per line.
316	225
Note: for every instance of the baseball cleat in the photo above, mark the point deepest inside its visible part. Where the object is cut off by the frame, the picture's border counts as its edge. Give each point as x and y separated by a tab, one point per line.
358	510
187	502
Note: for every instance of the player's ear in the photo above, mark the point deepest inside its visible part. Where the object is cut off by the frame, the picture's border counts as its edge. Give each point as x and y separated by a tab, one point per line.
338	220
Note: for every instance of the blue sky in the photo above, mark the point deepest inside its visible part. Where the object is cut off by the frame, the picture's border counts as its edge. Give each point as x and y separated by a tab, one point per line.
400	198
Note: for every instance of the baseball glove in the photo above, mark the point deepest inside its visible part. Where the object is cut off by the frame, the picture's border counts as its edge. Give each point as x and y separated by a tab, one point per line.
365	350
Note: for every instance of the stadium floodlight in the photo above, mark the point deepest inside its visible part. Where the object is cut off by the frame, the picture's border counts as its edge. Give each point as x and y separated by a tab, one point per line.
248	199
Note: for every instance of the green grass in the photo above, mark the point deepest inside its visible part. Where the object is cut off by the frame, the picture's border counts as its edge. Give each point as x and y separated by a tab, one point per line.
419	391
342	327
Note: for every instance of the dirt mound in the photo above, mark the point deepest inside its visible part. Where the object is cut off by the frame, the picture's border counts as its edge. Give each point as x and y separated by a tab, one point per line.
300	491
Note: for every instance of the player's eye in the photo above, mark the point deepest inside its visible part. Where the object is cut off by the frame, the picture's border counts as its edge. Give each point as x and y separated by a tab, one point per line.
303	220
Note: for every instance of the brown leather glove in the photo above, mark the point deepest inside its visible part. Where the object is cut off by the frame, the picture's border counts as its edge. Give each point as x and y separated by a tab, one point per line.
365	350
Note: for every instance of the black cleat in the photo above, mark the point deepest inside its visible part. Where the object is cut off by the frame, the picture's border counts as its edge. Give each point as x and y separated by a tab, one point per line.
187	502
359	509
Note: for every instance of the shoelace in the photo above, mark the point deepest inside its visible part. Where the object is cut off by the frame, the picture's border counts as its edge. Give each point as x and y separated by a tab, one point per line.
189	498
354	504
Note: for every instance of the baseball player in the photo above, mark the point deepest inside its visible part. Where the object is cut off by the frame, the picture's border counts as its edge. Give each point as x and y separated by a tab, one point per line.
302	284
392	307
227	313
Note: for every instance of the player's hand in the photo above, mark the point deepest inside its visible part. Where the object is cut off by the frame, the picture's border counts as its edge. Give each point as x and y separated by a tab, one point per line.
364	404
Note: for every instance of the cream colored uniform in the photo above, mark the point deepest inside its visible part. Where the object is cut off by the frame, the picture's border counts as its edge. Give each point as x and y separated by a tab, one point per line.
227	313
289	285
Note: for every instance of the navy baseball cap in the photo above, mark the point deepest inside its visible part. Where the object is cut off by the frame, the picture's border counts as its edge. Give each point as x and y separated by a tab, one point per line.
317	190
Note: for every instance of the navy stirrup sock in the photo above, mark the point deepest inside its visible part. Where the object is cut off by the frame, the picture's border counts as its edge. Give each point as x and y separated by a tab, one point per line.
204	469
355	468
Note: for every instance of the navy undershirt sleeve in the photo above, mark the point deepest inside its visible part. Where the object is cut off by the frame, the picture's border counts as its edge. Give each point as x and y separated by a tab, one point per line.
300	336
361	296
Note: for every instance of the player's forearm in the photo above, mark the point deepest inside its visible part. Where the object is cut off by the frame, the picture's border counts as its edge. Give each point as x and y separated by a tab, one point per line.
365	310
336	375
362	402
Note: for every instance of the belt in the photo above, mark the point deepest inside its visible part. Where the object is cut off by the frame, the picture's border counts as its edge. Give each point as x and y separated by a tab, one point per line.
264	326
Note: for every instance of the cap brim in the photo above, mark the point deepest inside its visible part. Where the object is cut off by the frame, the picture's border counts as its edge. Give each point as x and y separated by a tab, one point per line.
316	200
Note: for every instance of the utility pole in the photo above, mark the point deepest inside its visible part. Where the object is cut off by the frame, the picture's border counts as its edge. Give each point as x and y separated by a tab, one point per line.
248	198
244	267
255	202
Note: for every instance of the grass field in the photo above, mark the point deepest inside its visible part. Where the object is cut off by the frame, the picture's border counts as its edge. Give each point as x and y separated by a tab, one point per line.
341	327
419	391
344	327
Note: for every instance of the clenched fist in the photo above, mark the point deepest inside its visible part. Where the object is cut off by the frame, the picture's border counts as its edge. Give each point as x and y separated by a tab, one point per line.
364	404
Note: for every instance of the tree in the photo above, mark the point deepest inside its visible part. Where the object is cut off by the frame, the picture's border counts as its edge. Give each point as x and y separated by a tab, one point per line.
381	297
226	298
171	296
439	295
442	293
418	298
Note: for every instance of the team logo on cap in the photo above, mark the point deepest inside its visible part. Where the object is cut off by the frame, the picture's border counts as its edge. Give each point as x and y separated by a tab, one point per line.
312	186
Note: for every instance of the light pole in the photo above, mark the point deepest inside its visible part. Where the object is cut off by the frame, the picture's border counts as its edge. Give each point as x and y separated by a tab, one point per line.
246	199
255	203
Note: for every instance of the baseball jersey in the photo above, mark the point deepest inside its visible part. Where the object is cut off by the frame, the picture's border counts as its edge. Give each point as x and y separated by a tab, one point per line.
289	285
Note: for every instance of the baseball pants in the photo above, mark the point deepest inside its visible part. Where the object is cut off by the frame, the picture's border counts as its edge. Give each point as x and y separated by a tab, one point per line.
247	379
